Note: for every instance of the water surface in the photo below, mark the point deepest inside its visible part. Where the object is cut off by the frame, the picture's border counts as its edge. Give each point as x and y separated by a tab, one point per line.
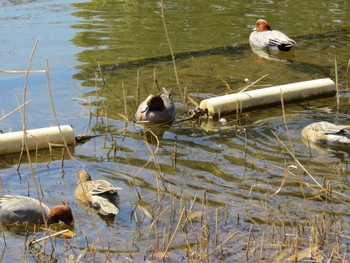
233	171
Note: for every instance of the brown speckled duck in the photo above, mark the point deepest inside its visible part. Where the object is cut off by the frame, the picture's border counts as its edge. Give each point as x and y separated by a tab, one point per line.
327	133
101	194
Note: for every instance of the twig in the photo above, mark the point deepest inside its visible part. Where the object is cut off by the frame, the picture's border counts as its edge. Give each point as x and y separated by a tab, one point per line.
168	39
25	135
296	160
285	123
22	71
247	87
223	242
336	82
47	237
286	172
13	111
172	237
125	100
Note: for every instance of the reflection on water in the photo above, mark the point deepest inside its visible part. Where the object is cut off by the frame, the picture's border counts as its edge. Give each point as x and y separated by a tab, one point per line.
203	169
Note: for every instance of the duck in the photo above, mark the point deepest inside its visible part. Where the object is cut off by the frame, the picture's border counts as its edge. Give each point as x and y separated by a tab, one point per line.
100	194
264	37
16	209
157	108
325	132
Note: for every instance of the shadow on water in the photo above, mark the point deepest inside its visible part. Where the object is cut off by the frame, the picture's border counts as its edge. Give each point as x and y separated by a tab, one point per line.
235	51
42	156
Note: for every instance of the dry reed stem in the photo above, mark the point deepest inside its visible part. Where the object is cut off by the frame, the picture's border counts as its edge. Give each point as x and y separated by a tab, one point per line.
285	175
285	123
247	87
169	42
261	256
226	84
149	160
13	111
185	100
125	100
24	121
138	87
155	83
173	235
174	155
31	243
22	148
149	148
22	71
216	226
297	161
3	236
97	95
223	242
336	83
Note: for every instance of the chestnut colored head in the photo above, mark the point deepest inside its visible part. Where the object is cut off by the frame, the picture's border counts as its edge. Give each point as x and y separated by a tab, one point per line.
155	103
61	213
262	26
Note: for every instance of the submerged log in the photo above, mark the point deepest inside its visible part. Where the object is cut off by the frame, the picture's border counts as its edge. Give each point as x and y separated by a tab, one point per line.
267	97
37	139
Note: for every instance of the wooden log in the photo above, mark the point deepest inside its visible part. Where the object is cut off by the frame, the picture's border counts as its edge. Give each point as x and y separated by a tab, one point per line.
267	97
37	139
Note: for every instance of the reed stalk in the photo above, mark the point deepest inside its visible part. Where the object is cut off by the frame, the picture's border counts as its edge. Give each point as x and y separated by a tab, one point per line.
336	83
169	43
24	121
286	124
253	83
13	111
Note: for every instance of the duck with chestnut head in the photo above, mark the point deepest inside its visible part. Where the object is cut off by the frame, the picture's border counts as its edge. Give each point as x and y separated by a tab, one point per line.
23	209
158	109
265	38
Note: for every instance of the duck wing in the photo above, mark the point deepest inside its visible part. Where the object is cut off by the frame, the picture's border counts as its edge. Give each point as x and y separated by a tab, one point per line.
107	207
101	187
329	128
104	196
338	130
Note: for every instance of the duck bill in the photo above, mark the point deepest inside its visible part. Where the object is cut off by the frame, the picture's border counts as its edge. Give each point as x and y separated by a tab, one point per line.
146	109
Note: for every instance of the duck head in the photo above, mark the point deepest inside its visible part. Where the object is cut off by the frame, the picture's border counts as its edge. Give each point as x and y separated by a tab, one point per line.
61	213
84	176
261	26
154	103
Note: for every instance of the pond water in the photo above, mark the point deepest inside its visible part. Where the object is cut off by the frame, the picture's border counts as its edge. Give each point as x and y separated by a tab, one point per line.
215	192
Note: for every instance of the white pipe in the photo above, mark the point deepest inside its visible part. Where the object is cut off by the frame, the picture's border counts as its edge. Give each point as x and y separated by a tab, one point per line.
260	98
37	139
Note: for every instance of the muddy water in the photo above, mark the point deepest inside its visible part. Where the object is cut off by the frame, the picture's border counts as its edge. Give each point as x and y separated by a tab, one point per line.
233	170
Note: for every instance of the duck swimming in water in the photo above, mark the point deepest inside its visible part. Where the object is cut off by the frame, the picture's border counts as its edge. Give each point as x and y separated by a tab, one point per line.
23	209
157	108
101	194
264	37
327	133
